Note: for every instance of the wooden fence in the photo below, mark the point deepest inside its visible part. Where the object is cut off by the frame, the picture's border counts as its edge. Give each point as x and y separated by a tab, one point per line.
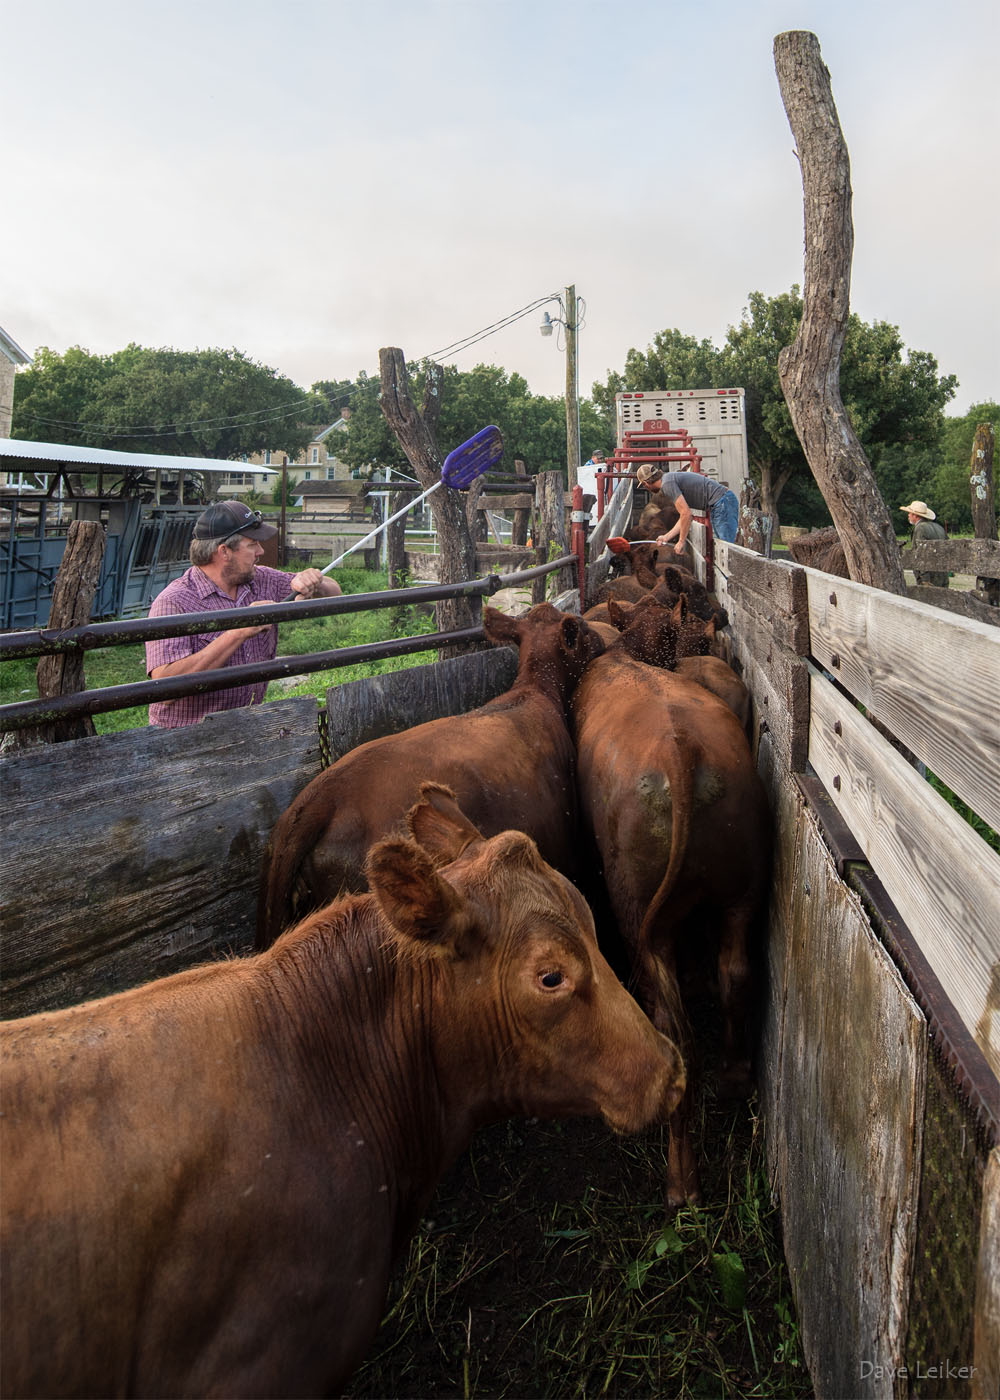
881	1045
130	855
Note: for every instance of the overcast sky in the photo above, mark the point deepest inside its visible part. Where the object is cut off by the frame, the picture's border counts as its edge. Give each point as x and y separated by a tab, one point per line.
309	180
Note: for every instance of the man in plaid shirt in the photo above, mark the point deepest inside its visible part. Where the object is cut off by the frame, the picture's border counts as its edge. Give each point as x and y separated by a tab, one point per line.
224	573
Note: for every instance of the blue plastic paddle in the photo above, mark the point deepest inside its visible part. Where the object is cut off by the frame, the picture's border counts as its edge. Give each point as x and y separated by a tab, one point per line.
460	469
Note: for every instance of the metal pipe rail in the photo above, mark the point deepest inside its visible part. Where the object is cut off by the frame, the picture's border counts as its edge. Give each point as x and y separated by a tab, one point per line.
24	714
89	636
119	697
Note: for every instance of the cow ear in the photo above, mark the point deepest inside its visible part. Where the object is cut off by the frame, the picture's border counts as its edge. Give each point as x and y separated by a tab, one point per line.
673	579
425	913
501	628
680	610
620	612
440	825
571	629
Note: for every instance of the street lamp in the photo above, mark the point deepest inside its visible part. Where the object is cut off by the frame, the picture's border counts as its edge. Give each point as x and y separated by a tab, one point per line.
570	321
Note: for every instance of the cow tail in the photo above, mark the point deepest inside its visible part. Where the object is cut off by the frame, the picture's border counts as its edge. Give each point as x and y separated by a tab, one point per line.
296	832
660	988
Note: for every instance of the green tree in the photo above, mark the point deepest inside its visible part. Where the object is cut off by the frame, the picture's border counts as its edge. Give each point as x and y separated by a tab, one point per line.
332	397
201	403
672	361
533	426
895	399
949	489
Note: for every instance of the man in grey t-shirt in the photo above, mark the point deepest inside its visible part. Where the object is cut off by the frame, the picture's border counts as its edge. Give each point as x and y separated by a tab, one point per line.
690	492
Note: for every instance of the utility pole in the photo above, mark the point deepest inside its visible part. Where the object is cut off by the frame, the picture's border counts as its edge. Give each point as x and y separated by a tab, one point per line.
572	391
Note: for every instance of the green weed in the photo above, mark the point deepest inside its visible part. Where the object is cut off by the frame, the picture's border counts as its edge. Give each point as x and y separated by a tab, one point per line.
126	665
546	1268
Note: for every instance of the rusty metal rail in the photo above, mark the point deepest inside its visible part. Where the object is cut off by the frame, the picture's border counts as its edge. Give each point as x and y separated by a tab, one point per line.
24	714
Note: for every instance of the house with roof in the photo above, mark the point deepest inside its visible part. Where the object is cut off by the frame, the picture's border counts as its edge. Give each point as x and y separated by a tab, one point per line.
316	463
11	355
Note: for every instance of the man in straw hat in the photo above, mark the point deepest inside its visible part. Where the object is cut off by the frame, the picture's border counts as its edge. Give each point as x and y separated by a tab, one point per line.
689	492
926	526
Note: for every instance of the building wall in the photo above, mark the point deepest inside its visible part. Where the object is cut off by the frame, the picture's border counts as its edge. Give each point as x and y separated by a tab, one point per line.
6	394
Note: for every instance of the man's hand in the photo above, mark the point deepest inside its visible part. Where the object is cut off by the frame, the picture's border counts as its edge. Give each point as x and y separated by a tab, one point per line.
312	583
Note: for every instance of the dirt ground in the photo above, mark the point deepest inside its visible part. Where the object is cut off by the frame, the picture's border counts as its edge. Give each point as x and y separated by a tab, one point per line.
546	1266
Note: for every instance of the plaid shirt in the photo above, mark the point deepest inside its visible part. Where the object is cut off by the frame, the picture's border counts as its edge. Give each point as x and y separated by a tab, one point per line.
194	592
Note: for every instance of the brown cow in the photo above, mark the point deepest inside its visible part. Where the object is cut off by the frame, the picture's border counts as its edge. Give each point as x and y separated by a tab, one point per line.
677	580
639	560
676	640
658	517
206	1179
679	821
510	762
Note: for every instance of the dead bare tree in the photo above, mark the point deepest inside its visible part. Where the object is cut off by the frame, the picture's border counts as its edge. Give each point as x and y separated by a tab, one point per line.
415	432
809	369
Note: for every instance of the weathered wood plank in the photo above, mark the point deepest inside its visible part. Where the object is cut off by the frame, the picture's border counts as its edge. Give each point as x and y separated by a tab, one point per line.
942	877
955	600
778	682
933	680
783	715
961	556
521	502
361	710
849	1128
129	856
789	629
786	809
985	1381
781	586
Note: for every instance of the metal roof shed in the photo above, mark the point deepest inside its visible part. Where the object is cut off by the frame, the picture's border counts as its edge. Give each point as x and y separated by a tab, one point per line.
147	540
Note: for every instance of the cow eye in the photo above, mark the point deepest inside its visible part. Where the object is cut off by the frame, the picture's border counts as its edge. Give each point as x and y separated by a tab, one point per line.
551	979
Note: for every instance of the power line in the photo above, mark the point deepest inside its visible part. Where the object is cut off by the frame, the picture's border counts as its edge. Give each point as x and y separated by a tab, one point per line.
138	429
258	417
487	331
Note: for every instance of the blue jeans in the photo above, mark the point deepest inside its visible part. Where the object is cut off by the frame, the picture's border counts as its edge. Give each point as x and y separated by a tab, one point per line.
725	515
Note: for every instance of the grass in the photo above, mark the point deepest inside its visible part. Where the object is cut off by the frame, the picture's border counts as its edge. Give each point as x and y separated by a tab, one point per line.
545	1267
125	665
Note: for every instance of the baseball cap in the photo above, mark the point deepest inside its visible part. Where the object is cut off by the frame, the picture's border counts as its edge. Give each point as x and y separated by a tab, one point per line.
648	472
232	518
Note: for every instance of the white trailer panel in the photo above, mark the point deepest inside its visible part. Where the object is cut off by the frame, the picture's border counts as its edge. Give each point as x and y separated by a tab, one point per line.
714	418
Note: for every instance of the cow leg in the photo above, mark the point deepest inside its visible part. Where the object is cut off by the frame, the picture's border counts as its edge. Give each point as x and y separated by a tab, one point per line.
683	1183
736	991
666	1011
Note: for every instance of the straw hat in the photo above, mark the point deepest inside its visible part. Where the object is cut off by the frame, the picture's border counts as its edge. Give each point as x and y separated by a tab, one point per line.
919	508
648	472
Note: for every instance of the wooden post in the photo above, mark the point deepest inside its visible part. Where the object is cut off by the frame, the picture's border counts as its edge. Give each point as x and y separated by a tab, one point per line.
984	520
809	369
751	529
553	511
72	600
579	545
395	541
415	433
519	533
572	391
541	557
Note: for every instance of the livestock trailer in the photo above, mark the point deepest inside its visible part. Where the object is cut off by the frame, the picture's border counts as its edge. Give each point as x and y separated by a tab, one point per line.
714	420
132	855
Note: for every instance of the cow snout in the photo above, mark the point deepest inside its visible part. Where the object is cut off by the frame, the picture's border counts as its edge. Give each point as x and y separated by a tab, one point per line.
660	1080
